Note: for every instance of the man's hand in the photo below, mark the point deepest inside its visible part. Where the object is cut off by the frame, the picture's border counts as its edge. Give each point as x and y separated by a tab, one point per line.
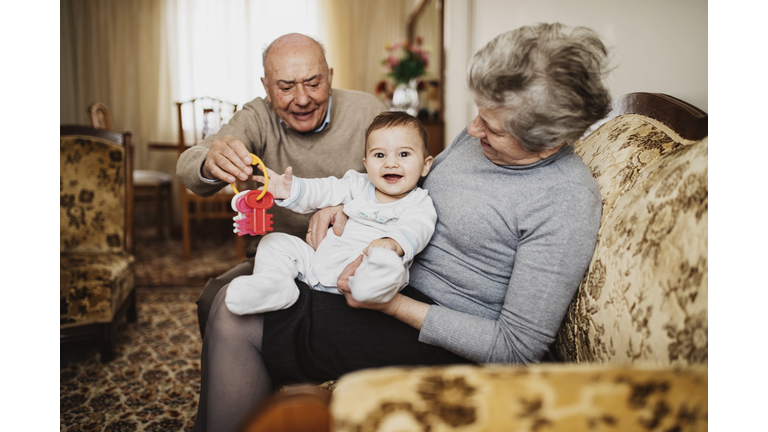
318	224
279	185
228	158
385	243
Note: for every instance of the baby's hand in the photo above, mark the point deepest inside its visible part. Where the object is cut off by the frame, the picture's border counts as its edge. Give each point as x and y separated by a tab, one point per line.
386	243
279	185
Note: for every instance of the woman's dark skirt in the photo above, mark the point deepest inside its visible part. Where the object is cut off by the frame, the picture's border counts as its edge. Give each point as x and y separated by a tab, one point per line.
320	338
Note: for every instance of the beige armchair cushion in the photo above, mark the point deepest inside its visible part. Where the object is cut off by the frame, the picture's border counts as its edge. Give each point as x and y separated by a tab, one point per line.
96	274
93	286
644	298
549	397
92	201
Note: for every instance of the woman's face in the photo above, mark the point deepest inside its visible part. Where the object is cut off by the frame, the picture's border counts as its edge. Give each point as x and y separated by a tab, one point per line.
499	146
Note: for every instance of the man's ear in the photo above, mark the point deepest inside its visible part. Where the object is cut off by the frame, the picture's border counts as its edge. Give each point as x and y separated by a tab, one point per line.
266	89
427	166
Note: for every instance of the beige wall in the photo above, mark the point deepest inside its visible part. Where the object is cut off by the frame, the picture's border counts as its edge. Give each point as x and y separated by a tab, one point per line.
659	46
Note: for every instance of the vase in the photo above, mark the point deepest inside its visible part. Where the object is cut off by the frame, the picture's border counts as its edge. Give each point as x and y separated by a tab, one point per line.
406	98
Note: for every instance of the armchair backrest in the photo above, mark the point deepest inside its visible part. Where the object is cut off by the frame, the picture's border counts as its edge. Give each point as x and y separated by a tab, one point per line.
644	297
96	190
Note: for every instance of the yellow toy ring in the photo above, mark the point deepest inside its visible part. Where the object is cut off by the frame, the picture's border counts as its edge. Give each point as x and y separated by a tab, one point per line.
256	161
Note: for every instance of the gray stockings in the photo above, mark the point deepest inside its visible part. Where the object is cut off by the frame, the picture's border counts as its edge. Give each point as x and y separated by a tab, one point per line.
208	294
234	378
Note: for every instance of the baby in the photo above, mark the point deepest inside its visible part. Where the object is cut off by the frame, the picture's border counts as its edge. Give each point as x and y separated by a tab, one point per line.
390	221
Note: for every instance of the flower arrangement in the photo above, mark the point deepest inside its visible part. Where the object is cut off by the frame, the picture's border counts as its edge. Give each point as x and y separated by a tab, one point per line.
404	62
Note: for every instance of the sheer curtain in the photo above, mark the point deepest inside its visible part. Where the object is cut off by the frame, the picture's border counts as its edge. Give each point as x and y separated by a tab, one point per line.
215	47
356	32
112	52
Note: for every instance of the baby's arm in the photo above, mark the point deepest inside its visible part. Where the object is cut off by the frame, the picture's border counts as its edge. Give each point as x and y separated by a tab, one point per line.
309	195
415	227
385	243
279	185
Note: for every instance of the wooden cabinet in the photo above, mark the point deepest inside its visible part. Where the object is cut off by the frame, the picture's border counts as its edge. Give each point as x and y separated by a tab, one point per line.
435	136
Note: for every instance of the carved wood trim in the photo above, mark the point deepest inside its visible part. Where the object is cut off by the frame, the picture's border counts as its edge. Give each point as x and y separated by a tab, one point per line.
685	119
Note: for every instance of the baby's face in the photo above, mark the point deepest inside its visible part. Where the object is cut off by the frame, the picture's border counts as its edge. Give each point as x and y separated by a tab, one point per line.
395	159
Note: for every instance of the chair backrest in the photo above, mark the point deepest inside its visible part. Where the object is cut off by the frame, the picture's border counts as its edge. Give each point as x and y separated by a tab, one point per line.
100	117
201	117
96	190
644	297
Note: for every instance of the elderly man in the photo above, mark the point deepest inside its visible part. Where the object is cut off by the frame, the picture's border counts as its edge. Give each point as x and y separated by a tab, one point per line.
299	125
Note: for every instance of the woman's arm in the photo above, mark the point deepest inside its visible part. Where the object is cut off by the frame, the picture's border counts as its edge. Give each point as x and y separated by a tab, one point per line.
555	247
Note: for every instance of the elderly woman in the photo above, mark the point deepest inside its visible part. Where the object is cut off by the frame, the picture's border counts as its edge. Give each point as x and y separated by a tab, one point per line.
518	215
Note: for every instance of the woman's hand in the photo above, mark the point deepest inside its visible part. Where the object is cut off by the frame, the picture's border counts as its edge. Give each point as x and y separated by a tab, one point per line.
318	224
388	308
279	185
385	243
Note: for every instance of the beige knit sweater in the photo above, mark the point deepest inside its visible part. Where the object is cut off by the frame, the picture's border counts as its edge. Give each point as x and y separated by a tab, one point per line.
330	152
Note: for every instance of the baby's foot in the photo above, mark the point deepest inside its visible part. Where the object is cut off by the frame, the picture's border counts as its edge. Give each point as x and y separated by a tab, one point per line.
260	293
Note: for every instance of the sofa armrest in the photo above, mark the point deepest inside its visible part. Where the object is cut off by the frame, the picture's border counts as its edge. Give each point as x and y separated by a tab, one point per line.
551	397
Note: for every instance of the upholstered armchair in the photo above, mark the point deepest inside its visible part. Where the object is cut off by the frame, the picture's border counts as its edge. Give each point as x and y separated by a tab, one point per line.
632	351
96	241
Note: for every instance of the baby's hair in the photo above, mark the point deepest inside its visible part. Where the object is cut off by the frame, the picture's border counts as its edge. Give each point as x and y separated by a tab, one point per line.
393	119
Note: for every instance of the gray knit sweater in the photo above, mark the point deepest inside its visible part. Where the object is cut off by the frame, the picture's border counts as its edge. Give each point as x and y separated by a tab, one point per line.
509	250
331	152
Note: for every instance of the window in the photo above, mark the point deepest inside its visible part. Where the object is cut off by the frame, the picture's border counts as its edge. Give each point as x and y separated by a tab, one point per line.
215	47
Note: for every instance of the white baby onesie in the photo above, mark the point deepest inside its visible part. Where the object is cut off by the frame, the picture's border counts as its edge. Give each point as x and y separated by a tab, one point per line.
281	258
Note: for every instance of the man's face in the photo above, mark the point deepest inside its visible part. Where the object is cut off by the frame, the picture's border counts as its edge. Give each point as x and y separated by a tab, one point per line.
298	84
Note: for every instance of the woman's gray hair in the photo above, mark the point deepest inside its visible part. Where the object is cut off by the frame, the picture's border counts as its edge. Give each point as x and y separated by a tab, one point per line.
548	82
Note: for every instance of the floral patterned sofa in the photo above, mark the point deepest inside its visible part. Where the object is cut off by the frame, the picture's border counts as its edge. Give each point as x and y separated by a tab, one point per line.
96	267
632	350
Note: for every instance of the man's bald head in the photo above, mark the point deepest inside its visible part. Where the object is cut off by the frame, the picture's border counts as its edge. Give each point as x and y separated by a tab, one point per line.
293	40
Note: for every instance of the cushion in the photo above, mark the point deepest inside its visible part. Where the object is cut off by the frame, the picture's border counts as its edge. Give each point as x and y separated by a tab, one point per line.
552	397
93	286
92	201
644	297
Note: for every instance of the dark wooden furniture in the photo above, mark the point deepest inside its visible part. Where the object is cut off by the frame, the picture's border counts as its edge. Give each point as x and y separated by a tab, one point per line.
685	119
199	118
100	117
151	188
435	126
293	409
96	235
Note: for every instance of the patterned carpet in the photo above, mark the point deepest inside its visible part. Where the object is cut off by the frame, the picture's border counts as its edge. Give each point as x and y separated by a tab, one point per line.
159	263
154	381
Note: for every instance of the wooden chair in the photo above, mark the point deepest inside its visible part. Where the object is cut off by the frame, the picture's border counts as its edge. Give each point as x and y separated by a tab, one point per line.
199	118
96	235
150	187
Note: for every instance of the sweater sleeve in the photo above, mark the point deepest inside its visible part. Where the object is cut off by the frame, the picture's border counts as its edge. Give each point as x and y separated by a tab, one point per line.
555	246
248	125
